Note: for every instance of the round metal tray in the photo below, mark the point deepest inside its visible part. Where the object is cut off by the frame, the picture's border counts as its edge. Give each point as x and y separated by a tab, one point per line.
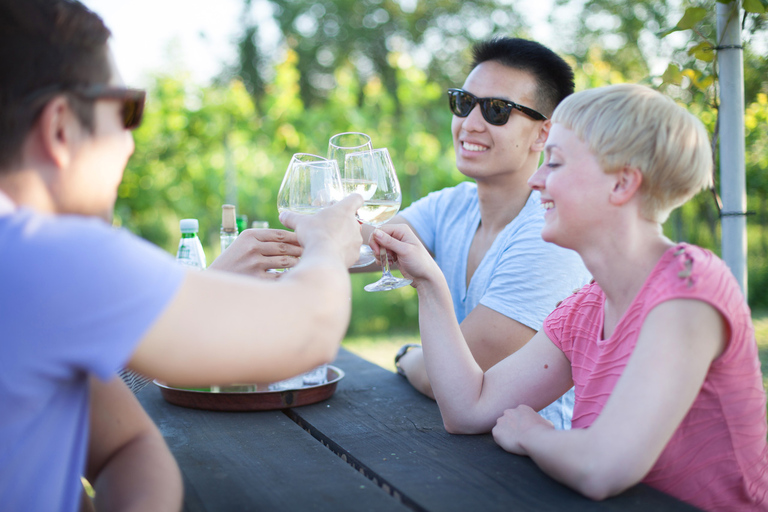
243	398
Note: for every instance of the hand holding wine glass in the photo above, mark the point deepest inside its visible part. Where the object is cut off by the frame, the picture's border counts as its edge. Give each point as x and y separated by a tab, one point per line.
375	175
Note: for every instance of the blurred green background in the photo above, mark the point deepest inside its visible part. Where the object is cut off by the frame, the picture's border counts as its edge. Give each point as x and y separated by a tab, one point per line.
382	67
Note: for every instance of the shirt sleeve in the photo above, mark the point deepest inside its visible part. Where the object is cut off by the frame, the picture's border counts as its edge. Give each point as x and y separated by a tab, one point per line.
91	293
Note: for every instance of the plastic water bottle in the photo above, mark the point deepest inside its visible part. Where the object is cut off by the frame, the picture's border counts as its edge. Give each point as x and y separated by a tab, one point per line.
190	253
229	230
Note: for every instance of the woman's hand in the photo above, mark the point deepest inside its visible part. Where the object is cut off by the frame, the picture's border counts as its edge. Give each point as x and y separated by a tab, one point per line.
512	426
255	251
406	250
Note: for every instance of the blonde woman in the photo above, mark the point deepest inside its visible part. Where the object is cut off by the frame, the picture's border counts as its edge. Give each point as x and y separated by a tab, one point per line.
660	347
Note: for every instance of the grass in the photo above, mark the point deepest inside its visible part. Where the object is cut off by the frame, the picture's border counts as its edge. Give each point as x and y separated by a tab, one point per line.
382	349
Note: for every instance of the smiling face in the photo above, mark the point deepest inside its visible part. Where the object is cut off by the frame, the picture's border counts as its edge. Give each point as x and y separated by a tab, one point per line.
575	190
484	150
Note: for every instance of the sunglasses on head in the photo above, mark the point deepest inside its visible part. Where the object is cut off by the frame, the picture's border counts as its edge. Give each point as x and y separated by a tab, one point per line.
495	110
133	99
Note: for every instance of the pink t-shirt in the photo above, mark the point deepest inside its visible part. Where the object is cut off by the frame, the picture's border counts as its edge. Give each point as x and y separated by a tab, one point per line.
717	458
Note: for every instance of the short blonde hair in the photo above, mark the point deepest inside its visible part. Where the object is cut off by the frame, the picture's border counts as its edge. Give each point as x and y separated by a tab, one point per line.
629	125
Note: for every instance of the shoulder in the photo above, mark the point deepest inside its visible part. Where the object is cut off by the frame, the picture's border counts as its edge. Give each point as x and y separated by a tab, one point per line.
688	271
465	191
447	203
577	313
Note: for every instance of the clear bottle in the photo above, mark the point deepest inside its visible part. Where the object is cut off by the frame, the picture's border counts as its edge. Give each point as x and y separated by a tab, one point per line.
190	253
229	230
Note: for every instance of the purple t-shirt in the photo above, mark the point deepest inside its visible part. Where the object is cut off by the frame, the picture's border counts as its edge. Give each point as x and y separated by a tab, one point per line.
76	297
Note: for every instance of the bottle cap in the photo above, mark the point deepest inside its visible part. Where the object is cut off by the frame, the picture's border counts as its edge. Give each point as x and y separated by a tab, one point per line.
189	225
228	222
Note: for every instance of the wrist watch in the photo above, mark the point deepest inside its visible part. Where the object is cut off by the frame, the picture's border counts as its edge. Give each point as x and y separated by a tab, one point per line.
400	353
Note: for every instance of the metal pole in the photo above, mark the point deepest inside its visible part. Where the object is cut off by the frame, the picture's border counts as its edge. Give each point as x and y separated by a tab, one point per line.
732	168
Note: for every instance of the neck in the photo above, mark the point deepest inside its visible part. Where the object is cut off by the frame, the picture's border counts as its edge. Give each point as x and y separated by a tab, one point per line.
622	261
501	198
27	188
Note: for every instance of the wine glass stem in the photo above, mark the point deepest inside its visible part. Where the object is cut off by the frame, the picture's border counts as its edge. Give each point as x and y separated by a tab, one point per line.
384	263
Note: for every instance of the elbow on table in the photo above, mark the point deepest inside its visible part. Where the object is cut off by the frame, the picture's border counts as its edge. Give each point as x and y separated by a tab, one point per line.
460	426
599	483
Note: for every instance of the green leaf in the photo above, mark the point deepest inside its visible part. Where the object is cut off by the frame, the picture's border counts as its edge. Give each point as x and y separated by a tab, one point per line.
754	6
703	51
672	75
692	16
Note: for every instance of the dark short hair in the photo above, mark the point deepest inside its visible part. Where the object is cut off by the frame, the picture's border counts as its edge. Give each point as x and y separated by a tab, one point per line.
554	77
46	45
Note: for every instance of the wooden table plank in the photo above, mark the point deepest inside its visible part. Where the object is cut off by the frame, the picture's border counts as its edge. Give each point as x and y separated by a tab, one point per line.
258	461
383	427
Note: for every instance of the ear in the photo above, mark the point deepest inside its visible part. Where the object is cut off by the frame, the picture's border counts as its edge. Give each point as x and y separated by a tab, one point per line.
58	130
626	185
541	137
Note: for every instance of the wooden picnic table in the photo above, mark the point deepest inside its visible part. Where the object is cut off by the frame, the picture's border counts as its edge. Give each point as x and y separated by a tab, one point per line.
376	444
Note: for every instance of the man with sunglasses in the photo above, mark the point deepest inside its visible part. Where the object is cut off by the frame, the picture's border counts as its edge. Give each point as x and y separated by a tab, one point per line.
80	300
485	236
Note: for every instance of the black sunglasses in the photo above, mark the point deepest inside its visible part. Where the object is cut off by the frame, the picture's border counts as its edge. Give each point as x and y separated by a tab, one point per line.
495	110
133	99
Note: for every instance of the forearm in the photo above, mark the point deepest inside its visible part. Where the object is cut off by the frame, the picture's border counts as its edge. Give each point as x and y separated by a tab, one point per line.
412	365
456	379
221	328
577	458
141	476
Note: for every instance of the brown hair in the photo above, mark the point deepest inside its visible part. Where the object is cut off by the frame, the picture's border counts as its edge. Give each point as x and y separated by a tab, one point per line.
46	46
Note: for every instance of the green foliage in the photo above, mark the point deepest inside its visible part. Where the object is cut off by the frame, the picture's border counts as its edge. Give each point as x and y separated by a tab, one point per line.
231	141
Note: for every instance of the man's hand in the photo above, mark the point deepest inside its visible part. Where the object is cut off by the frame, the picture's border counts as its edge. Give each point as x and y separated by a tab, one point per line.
255	251
512	426
333	229
407	251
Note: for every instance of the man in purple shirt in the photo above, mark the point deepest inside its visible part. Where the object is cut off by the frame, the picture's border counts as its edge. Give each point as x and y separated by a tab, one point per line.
81	300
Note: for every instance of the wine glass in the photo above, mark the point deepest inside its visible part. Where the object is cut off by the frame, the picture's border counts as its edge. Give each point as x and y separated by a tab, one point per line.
376	175
339	146
310	184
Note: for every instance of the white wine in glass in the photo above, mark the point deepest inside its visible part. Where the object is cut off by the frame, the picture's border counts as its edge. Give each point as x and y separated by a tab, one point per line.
339	146
383	204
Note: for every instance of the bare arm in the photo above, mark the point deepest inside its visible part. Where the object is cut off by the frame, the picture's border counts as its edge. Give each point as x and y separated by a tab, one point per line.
677	343
471	400
490	336
223	328
129	464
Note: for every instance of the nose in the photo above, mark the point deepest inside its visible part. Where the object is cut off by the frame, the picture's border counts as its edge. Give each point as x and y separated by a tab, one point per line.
474	122
539	178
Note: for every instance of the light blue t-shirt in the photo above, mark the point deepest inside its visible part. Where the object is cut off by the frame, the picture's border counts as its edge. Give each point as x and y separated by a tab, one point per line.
76	297
521	276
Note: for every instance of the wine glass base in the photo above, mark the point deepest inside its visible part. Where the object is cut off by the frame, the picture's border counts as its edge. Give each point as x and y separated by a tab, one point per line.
387	283
366	257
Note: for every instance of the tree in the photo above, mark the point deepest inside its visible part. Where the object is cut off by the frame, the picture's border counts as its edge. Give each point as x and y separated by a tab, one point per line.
372	37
